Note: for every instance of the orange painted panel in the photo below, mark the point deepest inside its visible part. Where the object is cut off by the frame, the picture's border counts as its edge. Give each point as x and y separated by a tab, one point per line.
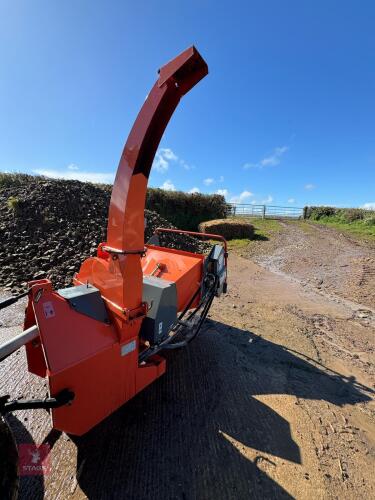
183	268
68	337
101	384
35	356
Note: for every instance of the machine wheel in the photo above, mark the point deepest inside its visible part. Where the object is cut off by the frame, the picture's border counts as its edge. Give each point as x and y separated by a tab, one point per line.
9	479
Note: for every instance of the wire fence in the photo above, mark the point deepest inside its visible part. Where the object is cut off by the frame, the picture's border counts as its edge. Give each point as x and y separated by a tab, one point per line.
264	211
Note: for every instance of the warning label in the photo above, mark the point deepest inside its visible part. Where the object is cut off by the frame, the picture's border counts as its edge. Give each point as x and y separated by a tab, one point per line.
49	311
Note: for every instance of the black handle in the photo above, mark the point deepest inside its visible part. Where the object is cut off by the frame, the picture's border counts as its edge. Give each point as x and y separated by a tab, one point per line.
62	398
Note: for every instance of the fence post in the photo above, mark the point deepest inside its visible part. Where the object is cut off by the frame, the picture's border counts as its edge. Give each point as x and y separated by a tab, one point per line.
264	212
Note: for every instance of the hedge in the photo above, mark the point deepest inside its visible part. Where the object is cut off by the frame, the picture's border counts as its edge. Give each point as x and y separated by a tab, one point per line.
343	214
184	210
317	213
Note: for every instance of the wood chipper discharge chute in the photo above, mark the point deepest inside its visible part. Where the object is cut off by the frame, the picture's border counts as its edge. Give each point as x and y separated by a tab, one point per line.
100	341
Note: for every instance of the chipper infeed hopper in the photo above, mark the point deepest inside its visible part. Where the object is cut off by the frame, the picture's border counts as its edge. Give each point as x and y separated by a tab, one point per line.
99	342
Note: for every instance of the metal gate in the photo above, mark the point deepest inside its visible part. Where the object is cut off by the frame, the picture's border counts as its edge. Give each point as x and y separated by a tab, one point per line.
264	211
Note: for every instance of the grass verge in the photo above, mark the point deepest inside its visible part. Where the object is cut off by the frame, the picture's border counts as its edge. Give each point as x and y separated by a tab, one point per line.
264	229
358	228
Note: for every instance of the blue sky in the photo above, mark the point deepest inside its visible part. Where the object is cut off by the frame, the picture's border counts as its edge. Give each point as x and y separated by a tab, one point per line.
286	115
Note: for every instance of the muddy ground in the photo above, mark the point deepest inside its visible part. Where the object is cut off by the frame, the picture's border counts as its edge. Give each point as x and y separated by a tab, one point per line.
273	400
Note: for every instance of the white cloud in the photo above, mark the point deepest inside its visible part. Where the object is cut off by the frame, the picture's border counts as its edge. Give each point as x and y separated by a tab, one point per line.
269	199
223	192
96	177
208	181
245	195
73	166
162	160
309	187
194	190
273	159
221	178
160	164
168	186
369	206
291	200
168	154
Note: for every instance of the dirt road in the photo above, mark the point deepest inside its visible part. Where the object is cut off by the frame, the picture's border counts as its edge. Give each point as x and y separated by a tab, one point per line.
273	399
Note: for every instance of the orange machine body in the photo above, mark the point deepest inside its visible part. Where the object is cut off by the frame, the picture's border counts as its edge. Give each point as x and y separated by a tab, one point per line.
183	268
88	358
99	361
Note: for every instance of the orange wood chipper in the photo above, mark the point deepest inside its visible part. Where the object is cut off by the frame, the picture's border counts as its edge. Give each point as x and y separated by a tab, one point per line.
102	338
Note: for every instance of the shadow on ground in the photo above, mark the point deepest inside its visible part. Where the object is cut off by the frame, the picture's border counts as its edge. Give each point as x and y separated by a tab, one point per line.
259	237
180	438
171	441
29	486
